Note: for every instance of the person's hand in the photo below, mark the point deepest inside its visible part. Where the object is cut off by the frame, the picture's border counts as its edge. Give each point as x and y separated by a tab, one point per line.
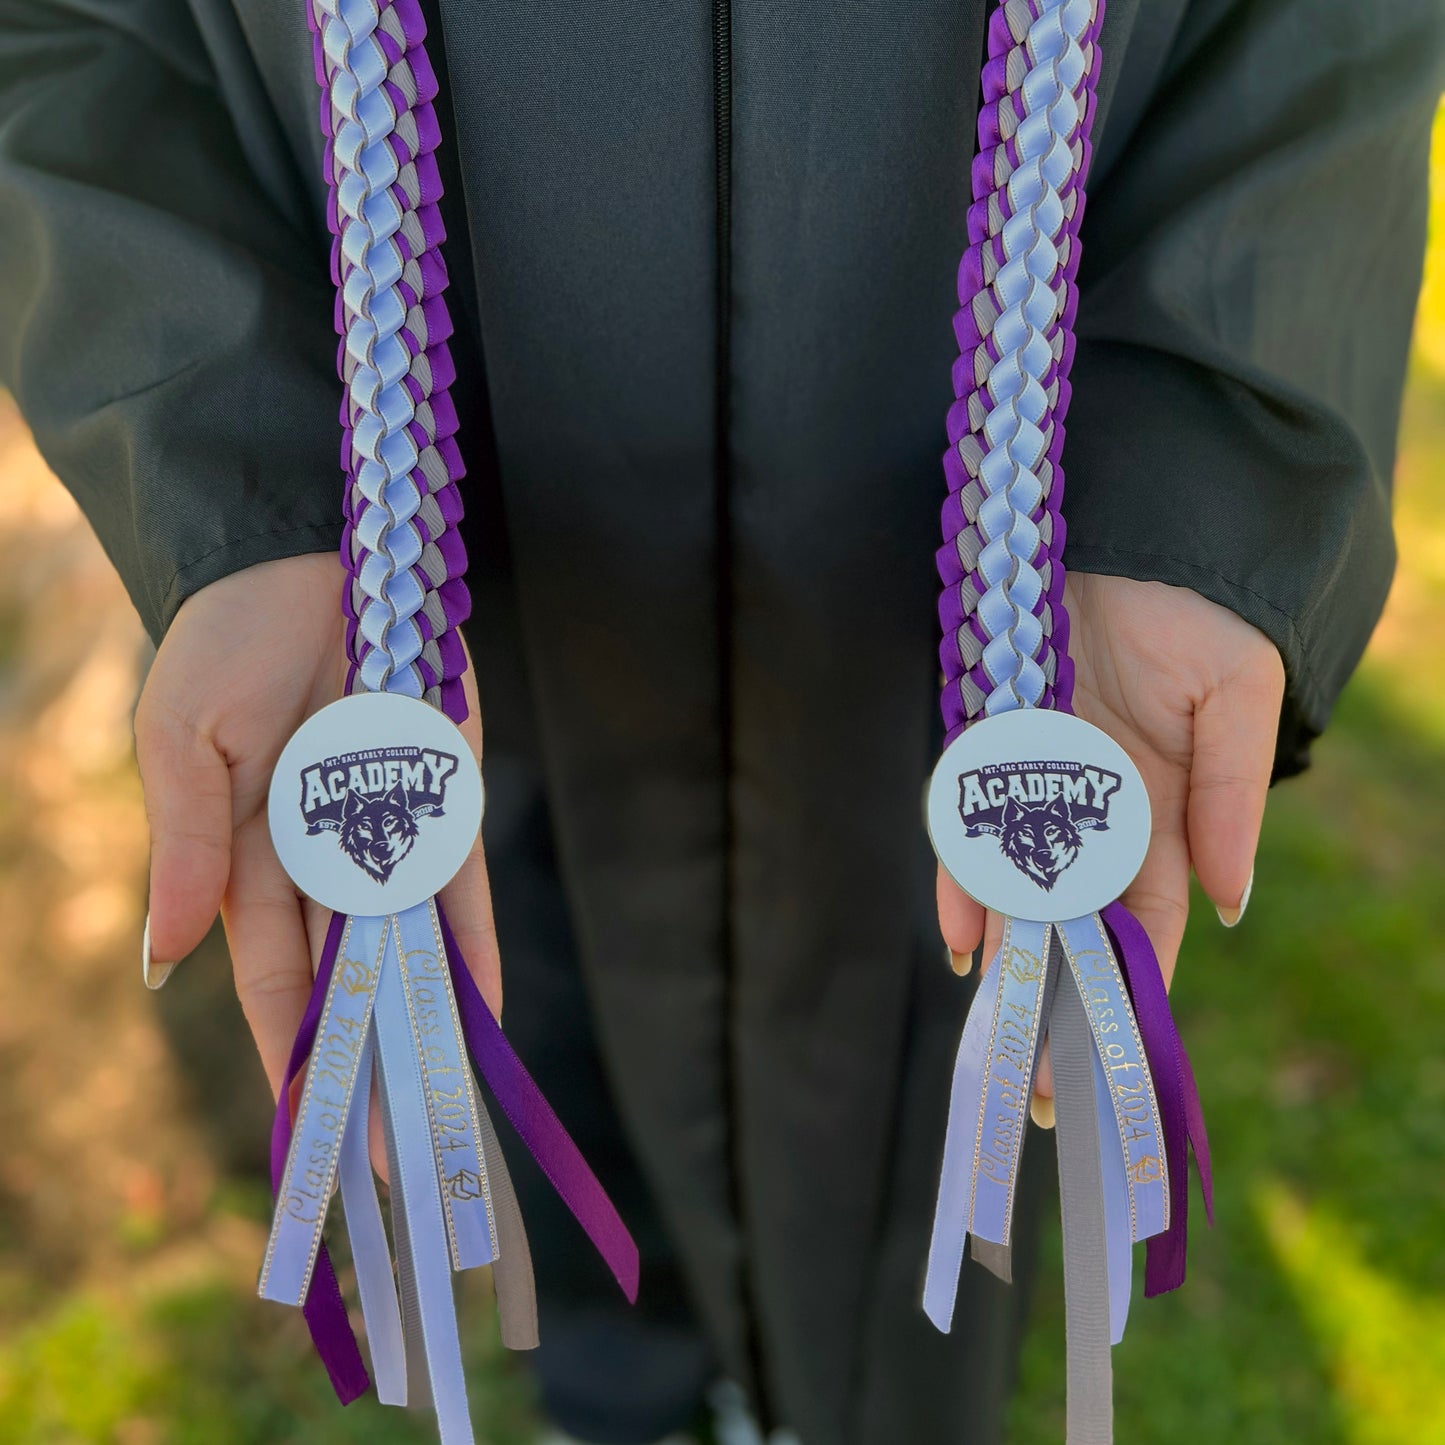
246	661
1192	693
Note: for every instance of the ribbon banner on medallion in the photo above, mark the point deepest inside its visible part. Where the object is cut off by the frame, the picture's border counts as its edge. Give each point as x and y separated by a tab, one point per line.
1034	813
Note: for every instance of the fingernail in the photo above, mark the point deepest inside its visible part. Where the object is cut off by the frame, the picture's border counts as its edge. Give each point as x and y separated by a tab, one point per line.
155	974
1041	1110
960	963
1230	916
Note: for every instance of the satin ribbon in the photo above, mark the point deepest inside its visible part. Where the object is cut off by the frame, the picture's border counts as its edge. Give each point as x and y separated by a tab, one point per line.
304	1192
1182	1113
417	1200
370	1254
1125	1072
992	1083
450	1094
400	987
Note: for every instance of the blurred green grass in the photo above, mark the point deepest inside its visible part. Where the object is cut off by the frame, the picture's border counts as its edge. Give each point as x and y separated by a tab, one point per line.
1315	1311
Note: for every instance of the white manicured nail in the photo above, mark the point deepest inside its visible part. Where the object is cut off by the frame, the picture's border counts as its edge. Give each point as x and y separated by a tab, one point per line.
1231	916
155	974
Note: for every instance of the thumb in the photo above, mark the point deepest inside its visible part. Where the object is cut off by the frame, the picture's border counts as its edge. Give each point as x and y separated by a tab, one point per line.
188	807
1234	742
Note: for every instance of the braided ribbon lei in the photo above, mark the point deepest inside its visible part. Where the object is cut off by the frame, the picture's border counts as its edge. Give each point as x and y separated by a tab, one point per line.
1128	1111
394	1003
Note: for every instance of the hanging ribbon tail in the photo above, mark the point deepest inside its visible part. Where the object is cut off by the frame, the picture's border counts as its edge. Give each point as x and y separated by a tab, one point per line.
955	1187
1180	1108
324	1310
1115	1178
1084	1208
540	1129
513	1279
370	1253
988	1115
393	998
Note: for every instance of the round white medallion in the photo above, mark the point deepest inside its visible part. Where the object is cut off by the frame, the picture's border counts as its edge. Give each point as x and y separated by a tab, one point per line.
375	804
1038	815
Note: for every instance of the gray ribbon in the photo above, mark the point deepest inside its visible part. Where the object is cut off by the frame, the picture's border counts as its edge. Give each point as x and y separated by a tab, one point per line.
512	1269
1081	1191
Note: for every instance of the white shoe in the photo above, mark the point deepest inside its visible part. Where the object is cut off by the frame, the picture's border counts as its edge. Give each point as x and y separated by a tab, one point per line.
733	1422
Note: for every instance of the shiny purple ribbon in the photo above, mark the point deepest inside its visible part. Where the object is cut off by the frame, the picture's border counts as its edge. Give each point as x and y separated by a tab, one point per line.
1178	1094
522	1102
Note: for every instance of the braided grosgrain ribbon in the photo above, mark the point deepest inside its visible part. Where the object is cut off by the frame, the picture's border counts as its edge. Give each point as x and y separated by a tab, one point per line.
401	541
1126	1099
1005	640
1005	627
393	999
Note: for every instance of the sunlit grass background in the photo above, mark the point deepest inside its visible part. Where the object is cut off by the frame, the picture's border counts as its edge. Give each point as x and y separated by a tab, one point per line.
131	1222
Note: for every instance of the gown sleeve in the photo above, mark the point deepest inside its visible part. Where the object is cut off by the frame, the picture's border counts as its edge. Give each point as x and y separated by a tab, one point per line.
164	314
1252	256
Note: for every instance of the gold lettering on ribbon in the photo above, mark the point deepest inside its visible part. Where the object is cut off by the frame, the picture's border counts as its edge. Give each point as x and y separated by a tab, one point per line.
464	1184
357	978
1010	1065
451	1104
341	1035
1147	1169
1134	1106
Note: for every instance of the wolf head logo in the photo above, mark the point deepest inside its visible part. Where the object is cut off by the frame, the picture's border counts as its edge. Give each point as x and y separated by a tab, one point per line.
1038	811
378	832
1040	841
373	800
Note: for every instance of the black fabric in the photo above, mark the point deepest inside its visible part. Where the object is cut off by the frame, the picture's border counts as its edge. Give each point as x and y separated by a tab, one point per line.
715	649
607	1372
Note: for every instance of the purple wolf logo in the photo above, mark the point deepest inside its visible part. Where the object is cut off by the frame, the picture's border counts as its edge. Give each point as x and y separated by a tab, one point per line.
1039	812
373	799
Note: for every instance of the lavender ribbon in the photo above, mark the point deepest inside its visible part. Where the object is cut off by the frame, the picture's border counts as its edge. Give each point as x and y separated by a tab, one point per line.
1004	1099
1126	1072
370	1254
324	1310
954	1208
992	1082
988	1111
309	1175
411	967
451	1101
417	1197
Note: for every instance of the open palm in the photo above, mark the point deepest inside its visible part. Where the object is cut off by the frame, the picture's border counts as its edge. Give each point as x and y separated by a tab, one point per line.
245	662
1192	693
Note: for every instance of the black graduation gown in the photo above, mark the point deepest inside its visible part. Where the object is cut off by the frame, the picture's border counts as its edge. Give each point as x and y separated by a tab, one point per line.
703	261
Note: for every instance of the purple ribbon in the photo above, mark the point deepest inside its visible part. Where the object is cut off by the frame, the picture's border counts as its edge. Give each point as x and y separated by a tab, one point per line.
522	1102
1179	1106
541	1131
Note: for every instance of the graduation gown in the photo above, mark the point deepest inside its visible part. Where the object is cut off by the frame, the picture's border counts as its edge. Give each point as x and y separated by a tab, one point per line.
703	265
